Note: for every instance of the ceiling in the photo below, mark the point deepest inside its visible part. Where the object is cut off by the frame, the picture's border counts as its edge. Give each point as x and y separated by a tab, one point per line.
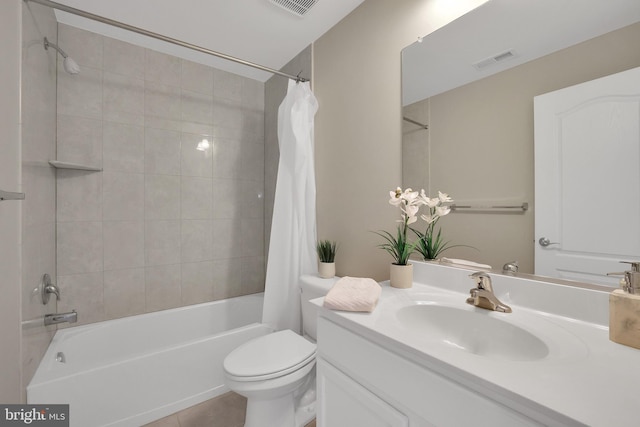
445	58
253	30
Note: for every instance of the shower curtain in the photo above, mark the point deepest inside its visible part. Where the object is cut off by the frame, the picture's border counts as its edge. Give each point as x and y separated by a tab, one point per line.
293	227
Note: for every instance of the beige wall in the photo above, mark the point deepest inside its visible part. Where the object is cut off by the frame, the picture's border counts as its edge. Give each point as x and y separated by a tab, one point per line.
10	21
481	137
358	129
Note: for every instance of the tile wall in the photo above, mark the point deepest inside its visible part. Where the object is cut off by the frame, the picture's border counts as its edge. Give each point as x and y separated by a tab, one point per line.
164	224
38	128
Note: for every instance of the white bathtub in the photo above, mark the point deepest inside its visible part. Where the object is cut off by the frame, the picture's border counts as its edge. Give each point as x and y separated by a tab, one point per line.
134	370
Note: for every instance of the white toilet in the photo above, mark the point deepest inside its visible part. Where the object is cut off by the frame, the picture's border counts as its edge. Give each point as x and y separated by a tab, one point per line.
276	372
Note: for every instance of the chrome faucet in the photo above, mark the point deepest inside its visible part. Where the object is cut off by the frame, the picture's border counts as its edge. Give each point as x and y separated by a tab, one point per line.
55	318
482	295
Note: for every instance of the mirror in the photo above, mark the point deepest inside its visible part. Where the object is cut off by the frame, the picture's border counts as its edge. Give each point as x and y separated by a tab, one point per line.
468	92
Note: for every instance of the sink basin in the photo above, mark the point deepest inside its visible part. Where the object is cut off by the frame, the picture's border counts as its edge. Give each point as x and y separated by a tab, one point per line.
474	331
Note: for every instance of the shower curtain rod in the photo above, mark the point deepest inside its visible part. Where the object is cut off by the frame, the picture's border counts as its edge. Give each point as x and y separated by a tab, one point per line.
144	32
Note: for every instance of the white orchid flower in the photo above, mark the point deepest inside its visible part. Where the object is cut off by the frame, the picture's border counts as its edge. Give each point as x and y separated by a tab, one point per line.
424	199
429	218
444	197
410	211
395	196
432	203
410	197
443	210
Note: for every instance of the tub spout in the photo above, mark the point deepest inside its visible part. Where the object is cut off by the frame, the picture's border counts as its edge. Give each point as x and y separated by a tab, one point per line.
52	319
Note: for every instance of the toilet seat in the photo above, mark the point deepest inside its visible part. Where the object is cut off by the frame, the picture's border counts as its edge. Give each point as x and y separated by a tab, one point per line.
270	356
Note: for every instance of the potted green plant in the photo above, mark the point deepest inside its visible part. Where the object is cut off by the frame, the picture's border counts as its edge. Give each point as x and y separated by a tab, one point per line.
327	256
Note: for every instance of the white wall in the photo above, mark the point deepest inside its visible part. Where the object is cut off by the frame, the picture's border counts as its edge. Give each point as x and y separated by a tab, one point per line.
10	21
357	81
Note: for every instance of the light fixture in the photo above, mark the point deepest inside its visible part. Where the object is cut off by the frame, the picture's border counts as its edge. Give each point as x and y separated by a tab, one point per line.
203	145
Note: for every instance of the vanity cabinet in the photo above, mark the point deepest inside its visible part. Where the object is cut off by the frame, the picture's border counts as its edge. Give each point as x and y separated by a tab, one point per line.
363	384
347	403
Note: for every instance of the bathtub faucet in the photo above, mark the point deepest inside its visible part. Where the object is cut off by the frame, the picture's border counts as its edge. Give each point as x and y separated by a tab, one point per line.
52	319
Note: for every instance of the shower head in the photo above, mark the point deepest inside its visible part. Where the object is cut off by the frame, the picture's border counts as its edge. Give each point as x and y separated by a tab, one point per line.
70	66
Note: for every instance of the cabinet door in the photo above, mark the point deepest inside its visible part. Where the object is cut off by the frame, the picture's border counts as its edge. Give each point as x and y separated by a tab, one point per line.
346	403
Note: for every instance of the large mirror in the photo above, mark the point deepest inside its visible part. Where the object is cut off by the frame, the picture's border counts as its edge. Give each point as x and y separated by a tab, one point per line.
468	91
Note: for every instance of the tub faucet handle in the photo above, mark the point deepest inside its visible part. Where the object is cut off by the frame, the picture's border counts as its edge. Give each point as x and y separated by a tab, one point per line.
53	289
47	288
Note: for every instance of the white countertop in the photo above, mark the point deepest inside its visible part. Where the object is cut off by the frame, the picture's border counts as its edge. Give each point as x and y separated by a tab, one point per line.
585	377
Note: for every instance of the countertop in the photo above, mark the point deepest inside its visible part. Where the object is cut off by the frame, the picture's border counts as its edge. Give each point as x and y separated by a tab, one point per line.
585	379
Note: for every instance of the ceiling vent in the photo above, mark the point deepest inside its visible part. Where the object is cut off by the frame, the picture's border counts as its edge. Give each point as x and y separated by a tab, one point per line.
297	7
502	56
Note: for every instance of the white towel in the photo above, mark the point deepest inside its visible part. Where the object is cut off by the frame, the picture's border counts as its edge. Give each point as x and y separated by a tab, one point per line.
353	294
465	263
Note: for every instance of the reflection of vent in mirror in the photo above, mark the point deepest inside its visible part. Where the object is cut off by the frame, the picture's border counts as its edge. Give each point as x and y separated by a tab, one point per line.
502	56
297	7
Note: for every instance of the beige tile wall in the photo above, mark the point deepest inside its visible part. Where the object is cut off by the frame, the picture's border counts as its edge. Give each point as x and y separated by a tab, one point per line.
164	224
38	127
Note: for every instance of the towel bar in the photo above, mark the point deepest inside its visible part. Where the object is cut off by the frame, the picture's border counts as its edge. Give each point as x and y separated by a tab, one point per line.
8	195
524	206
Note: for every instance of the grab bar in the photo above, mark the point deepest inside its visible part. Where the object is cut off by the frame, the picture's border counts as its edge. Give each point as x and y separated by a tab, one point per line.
8	195
523	207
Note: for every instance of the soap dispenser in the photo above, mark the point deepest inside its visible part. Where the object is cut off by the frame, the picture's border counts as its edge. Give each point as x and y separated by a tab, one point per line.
624	308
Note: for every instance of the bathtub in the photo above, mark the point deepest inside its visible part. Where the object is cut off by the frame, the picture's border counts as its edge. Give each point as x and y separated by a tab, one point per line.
134	370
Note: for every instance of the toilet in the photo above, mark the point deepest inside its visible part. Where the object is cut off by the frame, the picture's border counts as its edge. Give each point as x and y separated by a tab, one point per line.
276	372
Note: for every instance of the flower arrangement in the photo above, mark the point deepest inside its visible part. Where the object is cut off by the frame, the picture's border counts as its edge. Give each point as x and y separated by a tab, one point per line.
427	244
398	246
430	243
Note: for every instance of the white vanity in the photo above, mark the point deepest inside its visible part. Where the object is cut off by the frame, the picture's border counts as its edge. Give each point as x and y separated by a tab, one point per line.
425	357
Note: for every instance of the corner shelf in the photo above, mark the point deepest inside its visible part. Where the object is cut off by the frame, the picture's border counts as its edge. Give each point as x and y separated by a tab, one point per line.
65	165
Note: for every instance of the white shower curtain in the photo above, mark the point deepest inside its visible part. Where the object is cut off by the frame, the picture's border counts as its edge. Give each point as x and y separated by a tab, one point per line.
293	227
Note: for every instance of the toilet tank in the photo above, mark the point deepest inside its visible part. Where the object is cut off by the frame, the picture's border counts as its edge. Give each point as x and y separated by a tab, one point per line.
312	287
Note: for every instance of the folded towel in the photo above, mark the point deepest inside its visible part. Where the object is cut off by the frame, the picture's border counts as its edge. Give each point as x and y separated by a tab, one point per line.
464	262
353	294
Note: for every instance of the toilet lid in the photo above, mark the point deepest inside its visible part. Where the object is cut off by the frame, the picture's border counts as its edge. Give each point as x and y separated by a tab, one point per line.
270	354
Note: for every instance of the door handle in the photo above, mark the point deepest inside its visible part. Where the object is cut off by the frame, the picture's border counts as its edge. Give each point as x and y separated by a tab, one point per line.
544	242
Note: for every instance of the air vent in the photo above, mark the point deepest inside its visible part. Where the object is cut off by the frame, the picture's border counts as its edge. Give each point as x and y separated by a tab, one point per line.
297	7
502	56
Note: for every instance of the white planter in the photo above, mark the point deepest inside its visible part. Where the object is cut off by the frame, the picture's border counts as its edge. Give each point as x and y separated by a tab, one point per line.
327	270
401	276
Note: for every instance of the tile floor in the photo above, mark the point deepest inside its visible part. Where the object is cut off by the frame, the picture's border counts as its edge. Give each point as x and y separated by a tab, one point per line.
226	410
